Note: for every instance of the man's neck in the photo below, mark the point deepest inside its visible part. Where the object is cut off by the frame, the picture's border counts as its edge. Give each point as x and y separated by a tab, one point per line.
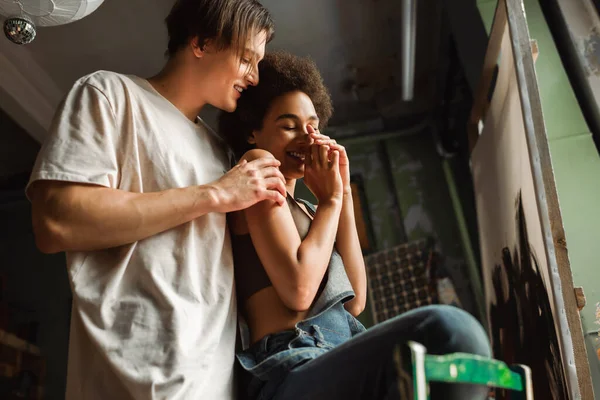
173	83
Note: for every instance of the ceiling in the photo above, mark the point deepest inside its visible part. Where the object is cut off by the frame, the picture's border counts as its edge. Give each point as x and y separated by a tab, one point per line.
355	43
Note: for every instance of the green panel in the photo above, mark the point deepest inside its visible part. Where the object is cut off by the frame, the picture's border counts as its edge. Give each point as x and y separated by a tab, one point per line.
562	114
427	209
470	368
365	160
561	111
423	193
487	9
577	174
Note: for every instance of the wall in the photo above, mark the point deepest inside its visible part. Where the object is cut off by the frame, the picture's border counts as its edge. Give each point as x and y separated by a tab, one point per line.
17	149
37	291
37	287
576	168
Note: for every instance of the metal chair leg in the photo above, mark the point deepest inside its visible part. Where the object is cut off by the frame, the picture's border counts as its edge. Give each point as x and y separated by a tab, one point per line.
416	368
525	373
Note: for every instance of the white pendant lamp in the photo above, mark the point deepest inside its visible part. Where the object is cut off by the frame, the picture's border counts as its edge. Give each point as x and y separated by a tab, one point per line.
24	15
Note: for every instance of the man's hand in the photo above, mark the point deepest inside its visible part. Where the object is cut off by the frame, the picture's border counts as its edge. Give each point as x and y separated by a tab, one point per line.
248	183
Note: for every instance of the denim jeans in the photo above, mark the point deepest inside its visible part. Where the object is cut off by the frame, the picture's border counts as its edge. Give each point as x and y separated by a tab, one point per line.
321	360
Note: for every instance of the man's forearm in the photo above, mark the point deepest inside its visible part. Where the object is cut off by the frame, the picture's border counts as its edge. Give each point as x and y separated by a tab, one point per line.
72	217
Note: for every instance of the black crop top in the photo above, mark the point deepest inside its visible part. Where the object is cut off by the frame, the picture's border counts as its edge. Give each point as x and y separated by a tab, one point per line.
250	275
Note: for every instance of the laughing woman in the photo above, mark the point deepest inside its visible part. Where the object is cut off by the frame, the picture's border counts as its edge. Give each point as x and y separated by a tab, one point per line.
300	274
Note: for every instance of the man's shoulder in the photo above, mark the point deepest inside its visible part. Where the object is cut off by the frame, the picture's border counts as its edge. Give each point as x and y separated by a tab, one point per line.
107	81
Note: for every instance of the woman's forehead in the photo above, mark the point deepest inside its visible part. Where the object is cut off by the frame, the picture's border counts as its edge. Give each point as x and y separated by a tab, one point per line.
293	103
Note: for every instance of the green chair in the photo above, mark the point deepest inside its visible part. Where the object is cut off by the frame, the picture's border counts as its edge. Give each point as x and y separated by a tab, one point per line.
416	369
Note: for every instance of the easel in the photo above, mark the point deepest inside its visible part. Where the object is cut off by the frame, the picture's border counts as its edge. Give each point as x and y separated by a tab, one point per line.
510	19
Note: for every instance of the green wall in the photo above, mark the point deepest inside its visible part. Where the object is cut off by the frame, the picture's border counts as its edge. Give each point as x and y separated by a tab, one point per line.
576	168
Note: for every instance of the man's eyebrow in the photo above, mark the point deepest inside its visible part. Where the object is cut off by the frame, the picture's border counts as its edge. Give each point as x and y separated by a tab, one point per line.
294	116
250	52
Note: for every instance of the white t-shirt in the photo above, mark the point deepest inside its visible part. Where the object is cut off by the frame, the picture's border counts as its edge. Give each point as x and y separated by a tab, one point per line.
155	319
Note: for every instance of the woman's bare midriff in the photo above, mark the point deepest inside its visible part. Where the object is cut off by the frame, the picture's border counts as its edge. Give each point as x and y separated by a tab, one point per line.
265	313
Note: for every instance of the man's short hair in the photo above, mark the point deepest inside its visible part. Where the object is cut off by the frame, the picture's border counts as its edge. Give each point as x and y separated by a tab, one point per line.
228	22
279	73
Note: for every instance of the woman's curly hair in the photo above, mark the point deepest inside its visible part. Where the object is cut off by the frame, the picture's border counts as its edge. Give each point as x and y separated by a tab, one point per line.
279	73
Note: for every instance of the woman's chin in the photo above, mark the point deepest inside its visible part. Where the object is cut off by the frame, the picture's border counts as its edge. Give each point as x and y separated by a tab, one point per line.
296	173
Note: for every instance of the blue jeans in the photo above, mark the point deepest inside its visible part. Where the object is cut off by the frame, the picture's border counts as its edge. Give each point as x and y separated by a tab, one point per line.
323	359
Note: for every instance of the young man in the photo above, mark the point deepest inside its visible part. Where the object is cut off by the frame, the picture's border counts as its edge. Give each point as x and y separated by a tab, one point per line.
133	187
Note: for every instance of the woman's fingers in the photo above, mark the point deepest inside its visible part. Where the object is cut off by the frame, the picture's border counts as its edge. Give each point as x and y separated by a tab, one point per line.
314	154
308	159
335	160
323	156
316	134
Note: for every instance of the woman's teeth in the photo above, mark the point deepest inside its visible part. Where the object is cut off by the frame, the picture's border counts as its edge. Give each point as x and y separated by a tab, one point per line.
297	155
238	88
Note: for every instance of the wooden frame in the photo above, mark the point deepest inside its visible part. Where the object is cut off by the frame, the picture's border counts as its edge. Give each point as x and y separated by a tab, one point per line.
362	215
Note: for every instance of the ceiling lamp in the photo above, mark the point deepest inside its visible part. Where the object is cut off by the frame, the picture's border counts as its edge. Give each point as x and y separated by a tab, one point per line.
23	16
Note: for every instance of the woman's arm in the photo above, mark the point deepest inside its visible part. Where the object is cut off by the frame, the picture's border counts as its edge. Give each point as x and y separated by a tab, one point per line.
348	246
296	267
347	242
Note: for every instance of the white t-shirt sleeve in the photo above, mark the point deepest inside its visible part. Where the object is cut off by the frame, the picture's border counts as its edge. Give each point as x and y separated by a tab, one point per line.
82	146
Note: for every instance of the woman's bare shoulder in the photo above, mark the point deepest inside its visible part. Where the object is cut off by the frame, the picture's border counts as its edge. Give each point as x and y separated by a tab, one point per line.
254	154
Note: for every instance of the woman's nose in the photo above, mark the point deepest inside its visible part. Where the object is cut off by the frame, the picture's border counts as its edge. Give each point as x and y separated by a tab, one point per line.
305	132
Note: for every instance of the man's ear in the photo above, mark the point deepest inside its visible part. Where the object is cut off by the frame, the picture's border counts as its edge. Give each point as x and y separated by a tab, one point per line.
198	48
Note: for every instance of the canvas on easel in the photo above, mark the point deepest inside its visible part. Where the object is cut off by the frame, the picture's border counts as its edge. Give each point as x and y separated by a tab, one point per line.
532	314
